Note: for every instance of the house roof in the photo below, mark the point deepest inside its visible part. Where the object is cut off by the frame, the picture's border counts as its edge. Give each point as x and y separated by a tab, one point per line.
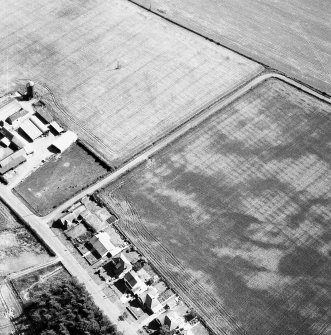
17	115
65	140
56	127
132	278
9	108
43	114
30	129
12	164
101	243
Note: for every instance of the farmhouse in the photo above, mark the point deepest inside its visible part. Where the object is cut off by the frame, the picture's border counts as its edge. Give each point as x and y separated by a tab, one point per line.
100	243
30	130
65	140
117	267
134	283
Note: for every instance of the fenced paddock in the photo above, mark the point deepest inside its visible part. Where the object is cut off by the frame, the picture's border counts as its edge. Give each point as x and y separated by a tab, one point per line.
236	214
124	76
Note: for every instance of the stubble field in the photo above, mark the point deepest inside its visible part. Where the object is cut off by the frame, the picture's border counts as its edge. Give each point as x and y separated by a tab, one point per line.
125	76
236	214
292	36
19	249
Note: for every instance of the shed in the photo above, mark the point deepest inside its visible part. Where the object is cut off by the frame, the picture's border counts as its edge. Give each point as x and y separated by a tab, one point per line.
38	124
12	164
43	114
65	141
56	127
5	142
30	130
16	116
12	106
18	141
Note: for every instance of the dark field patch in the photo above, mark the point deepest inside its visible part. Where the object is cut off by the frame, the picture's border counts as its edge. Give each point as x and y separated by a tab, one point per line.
236	214
59	179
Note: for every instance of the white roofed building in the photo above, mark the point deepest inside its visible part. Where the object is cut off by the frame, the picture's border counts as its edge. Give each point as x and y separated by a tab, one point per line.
64	141
30	130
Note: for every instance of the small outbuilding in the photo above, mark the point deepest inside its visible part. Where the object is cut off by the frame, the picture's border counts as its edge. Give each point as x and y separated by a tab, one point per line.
56	128
65	140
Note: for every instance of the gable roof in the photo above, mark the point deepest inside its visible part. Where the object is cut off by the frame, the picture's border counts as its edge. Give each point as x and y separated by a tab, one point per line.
102	245
8	108
30	129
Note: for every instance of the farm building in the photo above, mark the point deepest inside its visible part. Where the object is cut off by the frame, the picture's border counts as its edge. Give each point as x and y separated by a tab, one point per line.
5	152
5	142
64	141
43	114
134	283
16	116
42	127
100	243
18	141
30	130
11	163
54	126
9	109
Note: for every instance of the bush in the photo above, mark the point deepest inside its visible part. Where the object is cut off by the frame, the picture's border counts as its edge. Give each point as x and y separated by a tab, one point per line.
66	308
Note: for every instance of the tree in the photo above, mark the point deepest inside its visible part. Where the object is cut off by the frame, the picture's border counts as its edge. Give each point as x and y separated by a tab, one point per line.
164	330
66	308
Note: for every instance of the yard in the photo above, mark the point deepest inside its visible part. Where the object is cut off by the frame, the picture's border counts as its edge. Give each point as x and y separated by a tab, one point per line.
236	214
291	36
124	76
59	179
19	249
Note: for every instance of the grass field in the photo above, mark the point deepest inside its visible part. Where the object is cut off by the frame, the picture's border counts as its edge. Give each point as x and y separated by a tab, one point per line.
292	36
19	249
125	76
59	179
236	214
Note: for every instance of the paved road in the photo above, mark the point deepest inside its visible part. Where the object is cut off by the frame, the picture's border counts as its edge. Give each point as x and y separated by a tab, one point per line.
199	118
67	259
40	226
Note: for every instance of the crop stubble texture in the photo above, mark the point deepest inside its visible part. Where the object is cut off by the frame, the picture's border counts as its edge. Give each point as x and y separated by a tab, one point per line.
236	214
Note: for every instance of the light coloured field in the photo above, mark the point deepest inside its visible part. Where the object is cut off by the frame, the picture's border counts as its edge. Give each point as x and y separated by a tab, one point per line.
125	76
293	36
236	214
19	249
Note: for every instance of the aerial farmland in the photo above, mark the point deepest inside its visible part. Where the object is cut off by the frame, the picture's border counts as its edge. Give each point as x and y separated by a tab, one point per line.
125	77
236	214
174	157
293	36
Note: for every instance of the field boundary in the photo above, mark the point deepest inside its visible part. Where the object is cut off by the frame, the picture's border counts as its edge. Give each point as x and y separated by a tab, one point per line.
231	48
